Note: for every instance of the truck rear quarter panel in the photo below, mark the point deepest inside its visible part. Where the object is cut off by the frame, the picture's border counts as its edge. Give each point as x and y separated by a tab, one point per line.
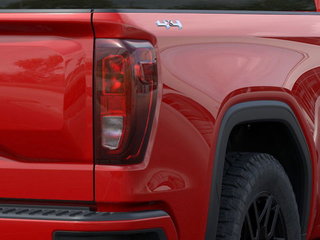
218	59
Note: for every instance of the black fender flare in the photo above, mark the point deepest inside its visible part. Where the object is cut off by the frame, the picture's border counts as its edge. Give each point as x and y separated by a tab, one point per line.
256	111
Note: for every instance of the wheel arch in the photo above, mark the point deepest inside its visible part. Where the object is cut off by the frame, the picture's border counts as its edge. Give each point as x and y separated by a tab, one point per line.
258	111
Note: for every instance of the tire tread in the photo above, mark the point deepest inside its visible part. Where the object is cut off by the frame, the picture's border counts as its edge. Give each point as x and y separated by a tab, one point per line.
241	170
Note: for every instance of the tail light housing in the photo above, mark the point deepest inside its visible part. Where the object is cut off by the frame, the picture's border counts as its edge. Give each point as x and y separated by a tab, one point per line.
125	95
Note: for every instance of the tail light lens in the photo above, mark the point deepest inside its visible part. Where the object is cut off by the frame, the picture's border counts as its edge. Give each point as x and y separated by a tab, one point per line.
125	94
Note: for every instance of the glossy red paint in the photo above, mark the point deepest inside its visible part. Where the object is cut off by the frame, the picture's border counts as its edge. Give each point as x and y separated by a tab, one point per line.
317	5
46	105
46	92
206	68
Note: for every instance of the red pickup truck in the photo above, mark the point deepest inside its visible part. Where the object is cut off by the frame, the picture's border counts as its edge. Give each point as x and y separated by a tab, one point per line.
159	120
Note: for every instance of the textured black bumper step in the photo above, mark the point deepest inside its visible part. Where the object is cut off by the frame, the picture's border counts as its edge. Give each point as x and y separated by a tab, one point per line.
71	213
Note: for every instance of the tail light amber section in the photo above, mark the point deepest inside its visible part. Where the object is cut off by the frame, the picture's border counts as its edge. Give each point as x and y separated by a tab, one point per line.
125	94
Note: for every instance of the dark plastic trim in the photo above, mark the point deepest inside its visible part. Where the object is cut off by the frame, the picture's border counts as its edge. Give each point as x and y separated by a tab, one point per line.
60	213
98	10
63	235
204	11
256	111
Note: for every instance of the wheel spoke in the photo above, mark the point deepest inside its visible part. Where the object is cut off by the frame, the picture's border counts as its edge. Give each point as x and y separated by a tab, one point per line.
274	222
264	220
256	214
249	225
266	210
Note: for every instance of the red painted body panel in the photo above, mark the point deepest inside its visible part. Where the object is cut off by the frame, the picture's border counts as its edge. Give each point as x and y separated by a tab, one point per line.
214	62
217	60
46	106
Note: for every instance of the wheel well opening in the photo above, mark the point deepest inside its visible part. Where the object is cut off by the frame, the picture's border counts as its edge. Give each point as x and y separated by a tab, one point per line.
276	139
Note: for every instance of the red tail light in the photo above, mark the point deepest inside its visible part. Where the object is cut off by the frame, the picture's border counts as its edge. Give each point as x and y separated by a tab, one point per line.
125	94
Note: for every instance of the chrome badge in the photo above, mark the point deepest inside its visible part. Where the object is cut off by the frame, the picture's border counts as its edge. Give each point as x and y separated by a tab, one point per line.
169	24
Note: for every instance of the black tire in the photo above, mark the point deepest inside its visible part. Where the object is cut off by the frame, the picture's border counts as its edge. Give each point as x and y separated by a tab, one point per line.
253	182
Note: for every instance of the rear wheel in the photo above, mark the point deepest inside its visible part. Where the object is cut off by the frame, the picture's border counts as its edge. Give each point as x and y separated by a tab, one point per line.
257	200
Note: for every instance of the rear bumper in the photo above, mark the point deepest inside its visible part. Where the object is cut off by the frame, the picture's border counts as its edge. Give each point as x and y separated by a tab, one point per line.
39	223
